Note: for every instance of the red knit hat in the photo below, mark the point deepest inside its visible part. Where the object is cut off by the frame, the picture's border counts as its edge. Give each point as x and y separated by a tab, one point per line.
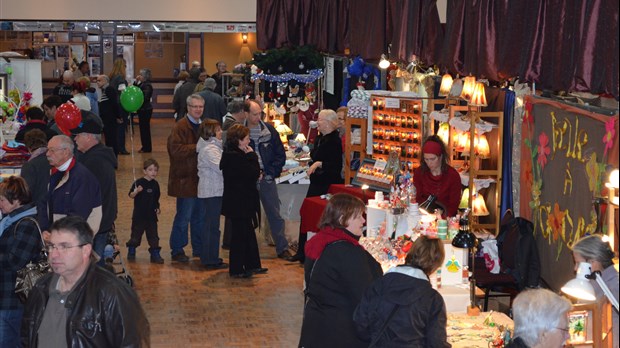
432	147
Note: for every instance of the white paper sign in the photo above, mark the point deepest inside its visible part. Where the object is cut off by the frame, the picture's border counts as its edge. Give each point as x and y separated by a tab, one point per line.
380	165
392	103
329	75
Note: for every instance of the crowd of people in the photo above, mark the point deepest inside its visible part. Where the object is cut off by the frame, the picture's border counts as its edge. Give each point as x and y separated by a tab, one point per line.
224	160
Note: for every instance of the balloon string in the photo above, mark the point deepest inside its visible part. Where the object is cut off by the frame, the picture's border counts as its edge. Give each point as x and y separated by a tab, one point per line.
133	158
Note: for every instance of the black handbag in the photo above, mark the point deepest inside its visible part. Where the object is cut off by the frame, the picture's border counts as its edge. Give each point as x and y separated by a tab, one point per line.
28	276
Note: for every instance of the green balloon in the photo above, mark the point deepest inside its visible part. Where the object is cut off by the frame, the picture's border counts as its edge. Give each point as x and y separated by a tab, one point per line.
132	99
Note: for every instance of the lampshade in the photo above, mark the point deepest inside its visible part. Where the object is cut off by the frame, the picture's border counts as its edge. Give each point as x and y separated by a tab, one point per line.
457	88
384	63
462	144
464	204
482	147
478	97
464	239
580	287
444	132
429	206
446	85
300	138
283	129
469	83
613	179
479	208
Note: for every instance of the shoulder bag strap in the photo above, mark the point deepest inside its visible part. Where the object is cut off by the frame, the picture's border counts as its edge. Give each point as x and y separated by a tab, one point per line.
385	324
36	223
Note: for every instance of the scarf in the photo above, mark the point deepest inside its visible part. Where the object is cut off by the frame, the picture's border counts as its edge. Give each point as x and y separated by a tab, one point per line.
55	170
327	235
10	219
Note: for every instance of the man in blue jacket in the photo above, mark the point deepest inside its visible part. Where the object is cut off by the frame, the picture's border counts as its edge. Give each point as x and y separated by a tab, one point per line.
265	141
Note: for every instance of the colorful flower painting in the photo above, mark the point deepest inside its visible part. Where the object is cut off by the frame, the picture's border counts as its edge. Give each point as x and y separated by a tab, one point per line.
556	222
543	149
610	134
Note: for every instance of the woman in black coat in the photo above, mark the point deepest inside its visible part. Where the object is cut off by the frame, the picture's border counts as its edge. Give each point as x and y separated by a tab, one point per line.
325	168
239	165
415	312
143	80
337	271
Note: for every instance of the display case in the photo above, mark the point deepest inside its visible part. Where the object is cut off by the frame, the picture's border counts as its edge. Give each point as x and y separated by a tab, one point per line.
397	125
590	325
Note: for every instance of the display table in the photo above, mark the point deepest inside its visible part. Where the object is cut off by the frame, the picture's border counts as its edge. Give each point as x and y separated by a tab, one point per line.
471	332
310	213
456	297
352	190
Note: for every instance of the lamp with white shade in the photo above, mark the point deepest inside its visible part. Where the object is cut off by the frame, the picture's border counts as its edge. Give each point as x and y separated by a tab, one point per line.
580	286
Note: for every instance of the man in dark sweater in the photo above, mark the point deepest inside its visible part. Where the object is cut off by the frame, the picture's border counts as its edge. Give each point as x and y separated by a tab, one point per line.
102	163
109	111
179	101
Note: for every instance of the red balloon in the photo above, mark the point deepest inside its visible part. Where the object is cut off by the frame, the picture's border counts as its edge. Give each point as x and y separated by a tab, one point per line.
68	116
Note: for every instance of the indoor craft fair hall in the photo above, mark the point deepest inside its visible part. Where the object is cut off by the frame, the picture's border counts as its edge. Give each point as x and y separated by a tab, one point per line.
313	174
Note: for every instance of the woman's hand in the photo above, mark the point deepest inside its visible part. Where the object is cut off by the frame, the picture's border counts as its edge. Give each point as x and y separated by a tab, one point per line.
314	167
246	149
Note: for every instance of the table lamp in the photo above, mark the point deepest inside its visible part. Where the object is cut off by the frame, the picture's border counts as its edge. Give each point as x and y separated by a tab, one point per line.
467	240
429	205
581	288
284	131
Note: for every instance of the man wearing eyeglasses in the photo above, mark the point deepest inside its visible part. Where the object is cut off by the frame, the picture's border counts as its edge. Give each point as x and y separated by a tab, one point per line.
73	189
183	181
80	304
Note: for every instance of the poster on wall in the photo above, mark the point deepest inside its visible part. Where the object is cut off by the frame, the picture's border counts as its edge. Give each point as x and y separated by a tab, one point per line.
153	50
565	156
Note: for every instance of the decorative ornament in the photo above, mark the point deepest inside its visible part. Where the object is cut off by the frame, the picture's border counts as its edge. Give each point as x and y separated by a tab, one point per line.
301	66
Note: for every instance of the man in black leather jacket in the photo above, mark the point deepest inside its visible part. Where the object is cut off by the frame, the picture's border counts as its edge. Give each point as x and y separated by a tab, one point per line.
81	304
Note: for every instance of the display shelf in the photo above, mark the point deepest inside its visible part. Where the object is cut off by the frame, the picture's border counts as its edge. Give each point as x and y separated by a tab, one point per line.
397	125
354	151
596	327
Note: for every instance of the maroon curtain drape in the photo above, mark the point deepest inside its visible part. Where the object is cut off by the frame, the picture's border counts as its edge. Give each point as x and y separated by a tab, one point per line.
413	27
569	45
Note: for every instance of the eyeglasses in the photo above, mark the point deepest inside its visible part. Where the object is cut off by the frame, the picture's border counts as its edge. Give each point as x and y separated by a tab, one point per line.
564	329
62	247
196	106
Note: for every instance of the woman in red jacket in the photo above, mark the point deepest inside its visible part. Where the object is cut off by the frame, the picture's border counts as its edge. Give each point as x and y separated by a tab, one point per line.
436	177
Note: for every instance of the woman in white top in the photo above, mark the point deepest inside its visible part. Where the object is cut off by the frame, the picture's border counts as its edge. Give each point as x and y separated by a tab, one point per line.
79	97
211	189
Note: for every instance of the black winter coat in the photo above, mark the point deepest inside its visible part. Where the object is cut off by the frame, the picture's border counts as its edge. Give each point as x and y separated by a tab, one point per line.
328	150
420	319
340	277
241	171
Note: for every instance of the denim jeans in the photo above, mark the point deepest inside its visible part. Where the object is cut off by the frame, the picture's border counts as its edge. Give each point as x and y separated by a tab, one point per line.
99	242
271	203
190	211
10	323
210	254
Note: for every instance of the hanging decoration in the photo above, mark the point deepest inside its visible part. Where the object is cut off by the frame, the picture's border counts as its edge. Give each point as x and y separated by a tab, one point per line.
310	77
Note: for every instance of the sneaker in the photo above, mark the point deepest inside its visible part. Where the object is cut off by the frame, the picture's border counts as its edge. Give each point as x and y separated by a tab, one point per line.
180	257
285	255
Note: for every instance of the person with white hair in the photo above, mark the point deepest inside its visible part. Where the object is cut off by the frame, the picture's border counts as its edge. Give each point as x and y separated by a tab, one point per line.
540	319
598	253
215	108
325	166
65	88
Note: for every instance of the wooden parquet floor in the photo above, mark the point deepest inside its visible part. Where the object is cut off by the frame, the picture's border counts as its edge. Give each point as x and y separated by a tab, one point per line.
191	307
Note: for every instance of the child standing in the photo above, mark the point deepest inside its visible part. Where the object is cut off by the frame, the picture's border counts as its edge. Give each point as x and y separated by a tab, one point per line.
145	192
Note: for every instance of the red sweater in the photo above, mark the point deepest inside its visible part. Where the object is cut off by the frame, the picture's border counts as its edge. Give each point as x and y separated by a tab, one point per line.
446	187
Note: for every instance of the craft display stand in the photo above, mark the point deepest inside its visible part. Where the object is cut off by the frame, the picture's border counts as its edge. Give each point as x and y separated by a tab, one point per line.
397	125
596	326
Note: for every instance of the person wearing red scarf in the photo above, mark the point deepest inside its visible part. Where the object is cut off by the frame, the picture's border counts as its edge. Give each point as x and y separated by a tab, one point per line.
337	272
436	177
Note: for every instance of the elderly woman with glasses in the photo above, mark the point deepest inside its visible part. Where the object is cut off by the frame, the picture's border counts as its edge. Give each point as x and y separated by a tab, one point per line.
143	80
20	242
540	319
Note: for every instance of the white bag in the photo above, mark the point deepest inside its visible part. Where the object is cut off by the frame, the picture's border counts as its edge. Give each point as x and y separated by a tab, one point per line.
491	255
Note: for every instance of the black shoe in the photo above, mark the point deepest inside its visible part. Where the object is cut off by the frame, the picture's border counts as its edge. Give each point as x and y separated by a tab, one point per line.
124	152
242	275
181	257
285	255
220	265
259	270
144	151
297	258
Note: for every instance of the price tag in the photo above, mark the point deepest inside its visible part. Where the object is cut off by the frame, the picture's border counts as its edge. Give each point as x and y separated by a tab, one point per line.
392	103
380	165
